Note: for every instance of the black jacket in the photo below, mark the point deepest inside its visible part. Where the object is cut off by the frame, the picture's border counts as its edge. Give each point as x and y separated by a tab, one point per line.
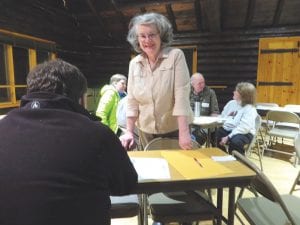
58	165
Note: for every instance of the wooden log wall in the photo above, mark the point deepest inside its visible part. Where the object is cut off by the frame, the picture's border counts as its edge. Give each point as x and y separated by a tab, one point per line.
230	57
100	64
224	58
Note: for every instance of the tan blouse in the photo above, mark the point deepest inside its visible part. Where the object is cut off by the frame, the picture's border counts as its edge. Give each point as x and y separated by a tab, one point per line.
158	96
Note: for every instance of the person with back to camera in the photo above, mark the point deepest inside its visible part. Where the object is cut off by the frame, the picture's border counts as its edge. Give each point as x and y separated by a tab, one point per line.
110	97
208	104
158	84
239	127
58	164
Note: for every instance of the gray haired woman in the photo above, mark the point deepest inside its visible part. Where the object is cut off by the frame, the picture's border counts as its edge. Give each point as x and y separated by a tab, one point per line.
158	84
239	127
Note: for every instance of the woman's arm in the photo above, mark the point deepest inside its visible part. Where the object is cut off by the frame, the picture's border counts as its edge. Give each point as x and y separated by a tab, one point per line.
127	139
185	140
182	107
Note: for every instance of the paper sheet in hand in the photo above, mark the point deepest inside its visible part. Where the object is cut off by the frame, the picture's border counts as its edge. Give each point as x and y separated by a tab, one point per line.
151	168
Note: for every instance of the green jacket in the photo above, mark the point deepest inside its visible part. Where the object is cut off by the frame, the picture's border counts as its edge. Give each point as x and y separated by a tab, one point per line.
107	107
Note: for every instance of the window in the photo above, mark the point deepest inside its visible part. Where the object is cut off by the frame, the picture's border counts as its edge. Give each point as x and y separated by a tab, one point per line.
16	60
190	53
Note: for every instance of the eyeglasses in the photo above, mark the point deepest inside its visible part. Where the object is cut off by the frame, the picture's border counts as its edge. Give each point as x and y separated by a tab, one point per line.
145	36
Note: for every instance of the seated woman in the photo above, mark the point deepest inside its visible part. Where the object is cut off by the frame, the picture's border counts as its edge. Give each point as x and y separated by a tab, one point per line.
240	113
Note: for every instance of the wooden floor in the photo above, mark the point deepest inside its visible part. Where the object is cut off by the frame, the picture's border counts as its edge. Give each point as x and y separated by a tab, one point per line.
281	172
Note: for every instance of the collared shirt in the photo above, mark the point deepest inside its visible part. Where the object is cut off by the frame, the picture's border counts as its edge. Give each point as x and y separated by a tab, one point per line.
208	101
158	96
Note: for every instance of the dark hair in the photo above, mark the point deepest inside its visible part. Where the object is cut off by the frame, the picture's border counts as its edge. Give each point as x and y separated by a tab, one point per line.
57	76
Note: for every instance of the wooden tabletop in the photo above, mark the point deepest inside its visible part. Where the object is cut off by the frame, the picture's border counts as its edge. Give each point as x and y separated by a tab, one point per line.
187	174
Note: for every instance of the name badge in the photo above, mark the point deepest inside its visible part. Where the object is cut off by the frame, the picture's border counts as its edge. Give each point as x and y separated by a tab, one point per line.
205	104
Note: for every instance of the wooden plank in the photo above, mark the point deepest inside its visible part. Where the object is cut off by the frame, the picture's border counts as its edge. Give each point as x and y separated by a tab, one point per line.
278	71
212	9
278	12
250	13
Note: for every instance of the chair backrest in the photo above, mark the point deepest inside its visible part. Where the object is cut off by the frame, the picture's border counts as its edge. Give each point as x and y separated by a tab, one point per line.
166	143
282	116
263	185
297	145
257	127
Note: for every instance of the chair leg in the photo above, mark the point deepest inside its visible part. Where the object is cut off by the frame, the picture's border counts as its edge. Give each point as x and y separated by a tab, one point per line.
295	183
145	209
259	152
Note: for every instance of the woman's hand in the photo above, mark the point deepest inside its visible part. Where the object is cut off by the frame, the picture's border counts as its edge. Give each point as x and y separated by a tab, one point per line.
127	140
224	140
185	141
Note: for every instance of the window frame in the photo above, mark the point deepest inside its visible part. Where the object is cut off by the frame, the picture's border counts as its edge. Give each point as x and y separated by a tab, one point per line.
8	41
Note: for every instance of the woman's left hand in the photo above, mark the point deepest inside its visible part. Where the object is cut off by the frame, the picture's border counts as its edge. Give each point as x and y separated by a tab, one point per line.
224	140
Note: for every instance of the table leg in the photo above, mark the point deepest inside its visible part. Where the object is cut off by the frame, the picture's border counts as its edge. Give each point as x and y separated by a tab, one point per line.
231	205
220	204
208	138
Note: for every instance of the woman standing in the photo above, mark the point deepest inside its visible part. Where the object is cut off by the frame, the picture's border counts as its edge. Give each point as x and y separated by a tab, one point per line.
239	127
158	84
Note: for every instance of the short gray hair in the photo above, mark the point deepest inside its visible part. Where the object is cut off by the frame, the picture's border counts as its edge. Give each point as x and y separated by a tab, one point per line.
116	78
162	24
196	76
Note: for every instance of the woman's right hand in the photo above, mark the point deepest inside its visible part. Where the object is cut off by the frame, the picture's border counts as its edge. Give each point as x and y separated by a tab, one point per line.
127	140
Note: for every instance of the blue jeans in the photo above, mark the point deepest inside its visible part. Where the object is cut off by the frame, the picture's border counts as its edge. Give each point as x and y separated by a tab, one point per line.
236	142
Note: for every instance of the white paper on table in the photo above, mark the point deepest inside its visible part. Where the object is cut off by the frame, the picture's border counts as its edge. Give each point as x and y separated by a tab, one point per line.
151	168
223	158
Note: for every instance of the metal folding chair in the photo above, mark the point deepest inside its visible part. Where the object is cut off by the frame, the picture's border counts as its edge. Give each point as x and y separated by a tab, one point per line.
280	125
126	206
255	144
269	208
297	180
178	207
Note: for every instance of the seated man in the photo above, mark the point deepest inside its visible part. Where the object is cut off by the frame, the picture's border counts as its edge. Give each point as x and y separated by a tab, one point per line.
208	104
59	165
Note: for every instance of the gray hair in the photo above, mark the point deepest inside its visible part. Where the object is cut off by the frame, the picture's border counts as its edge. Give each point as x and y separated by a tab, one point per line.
116	78
162	24
247	92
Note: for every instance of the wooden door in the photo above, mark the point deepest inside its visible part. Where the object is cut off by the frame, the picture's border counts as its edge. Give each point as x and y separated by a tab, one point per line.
278	74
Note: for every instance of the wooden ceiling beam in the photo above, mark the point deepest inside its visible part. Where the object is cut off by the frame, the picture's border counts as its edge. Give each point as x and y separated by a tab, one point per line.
198	15
212	9
120	15
171	16
140	4
99	19
278	12
250	13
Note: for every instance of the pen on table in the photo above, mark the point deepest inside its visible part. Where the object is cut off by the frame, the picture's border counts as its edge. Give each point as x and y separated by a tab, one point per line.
197	161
